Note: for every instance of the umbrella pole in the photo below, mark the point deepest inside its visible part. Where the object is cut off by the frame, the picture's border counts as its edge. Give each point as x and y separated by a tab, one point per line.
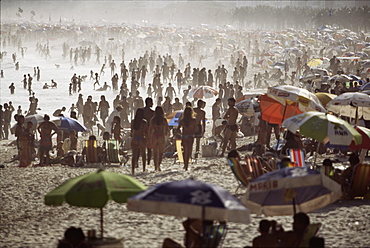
317	151
101	223
356	116
278	138
294	208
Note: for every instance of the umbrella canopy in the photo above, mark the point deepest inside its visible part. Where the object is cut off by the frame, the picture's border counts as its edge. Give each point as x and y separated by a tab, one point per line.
323	127
314	62
203	92
94	190
67	124
248	107
283	191
36	119
249	95
325	97
286	94
274	112
341	78
174	122
190	198
365	134
351	104
365	87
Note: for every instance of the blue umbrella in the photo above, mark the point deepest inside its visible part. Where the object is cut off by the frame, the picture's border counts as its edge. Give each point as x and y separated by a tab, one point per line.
67	124
174	122
192	199
290	190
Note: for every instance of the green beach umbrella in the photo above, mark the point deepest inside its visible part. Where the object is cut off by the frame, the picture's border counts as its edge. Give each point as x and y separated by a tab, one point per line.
323	127
94	190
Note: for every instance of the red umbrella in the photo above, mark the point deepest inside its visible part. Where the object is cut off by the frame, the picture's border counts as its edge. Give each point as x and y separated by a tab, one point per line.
365	144
274	112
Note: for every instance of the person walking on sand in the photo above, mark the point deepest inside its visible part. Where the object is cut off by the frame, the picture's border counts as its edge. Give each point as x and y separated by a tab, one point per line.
22	142
188	125
12	88
158	131
46	129
231	128
139	134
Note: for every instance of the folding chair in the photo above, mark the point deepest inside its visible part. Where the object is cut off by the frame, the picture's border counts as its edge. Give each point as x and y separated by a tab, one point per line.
112	151
360	182
213	235
255	166
241	172
310	232
297	156
91	151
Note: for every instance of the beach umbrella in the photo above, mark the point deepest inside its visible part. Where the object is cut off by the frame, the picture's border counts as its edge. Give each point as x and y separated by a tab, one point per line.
365	134
67	124
325	97
248	107
192	199
36	119
351	104
274	112
94	190
341	78
286	94
314	62
249	95
290	190
203	92
323	127
365	87
174	121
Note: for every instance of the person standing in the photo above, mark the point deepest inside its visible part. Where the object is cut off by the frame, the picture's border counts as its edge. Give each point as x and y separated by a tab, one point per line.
46	129
158	131
139	132
148	115
12	88
231	128
216	114
103	108
200	125
188	126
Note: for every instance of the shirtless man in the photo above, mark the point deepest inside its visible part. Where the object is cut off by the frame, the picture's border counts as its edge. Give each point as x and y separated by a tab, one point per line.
200	124
231	128
46	129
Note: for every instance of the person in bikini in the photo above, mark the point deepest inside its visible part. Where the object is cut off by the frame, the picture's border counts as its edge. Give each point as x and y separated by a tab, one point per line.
188	125
158	131
148	114
231	127
46	129
138	143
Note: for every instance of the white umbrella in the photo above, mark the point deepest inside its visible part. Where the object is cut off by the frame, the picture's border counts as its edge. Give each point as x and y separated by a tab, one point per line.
351	104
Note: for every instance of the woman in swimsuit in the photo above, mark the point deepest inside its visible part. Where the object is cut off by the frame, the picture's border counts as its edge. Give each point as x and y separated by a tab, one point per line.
138	142
188	125
158	131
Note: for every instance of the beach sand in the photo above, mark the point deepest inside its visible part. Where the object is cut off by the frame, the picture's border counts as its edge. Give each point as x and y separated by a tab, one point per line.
27	222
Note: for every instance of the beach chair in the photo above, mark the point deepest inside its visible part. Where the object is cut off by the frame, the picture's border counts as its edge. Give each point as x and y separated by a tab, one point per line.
310	232
255	166
91	151
360	182
213	235
297	156
112	151
241	172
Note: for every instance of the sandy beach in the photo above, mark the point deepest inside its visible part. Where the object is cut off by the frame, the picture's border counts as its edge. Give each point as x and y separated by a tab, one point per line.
27	222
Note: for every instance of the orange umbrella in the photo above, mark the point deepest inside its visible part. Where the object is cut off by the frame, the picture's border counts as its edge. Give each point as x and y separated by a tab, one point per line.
274	112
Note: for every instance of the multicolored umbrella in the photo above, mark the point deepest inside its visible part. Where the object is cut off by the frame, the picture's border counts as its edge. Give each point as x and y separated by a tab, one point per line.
248	107
291	190
174	121
323	127
203	92
365	144
94	190
192	199
286	94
